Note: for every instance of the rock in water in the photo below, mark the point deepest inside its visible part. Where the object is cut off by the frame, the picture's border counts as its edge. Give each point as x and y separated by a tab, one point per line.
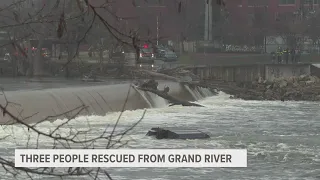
166	90
150	84
268	93
283	84
269	86
309	82
153	84
295	84
185	79
303	78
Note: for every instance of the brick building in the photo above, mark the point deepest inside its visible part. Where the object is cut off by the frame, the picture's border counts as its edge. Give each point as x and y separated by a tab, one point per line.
173	23
245	17
245	11
253	21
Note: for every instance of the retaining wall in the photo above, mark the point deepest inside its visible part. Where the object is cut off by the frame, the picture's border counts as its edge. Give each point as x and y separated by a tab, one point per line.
35	105
286	70
245	73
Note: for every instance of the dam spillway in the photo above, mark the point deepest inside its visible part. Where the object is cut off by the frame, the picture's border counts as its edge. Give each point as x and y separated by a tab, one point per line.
33	106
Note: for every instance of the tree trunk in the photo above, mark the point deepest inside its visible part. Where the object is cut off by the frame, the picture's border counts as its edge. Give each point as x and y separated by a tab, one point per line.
38	63
101	59
29	61
15	67
181	40
71	53
171	99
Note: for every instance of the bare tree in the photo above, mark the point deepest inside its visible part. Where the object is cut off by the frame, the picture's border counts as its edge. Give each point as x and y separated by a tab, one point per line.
35	20
53	20
63	135
313	29
292	29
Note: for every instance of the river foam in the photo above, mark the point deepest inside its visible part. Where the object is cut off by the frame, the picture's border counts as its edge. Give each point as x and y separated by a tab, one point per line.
281	137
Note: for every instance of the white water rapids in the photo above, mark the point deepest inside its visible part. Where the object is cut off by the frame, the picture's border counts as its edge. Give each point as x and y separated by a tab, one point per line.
282	138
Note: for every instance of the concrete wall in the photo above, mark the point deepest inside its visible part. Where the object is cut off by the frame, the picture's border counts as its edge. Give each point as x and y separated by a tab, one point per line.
232	59
40	104
227	59
286	70
315	70
231	73
247	73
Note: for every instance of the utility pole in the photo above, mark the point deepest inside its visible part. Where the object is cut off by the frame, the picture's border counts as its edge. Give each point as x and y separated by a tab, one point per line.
302	9
157	19
265	19
208	20
157	30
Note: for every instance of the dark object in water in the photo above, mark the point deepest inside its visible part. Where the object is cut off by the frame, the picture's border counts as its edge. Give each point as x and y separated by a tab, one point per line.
177	133
151	84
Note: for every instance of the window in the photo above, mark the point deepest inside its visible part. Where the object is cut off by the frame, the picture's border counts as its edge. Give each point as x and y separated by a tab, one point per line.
147	3
258	3
287	16
311	1
276	16
287	2
251	19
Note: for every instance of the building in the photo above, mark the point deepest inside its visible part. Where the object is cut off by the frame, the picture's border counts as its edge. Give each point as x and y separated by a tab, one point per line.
252	22
245	11
162	17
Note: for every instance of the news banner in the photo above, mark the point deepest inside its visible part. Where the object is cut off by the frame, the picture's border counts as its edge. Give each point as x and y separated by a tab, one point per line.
130	158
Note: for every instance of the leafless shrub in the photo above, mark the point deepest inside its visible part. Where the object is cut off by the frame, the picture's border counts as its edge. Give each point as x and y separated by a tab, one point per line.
62	135
71	22
41	22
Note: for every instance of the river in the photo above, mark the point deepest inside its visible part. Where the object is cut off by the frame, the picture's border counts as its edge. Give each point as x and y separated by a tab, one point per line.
282	138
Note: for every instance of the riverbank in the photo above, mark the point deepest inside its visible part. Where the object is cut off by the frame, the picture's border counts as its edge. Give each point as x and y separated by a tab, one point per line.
295	88
303	88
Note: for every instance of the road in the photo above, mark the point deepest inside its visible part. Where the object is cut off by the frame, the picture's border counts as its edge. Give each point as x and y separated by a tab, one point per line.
214	59
223	59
